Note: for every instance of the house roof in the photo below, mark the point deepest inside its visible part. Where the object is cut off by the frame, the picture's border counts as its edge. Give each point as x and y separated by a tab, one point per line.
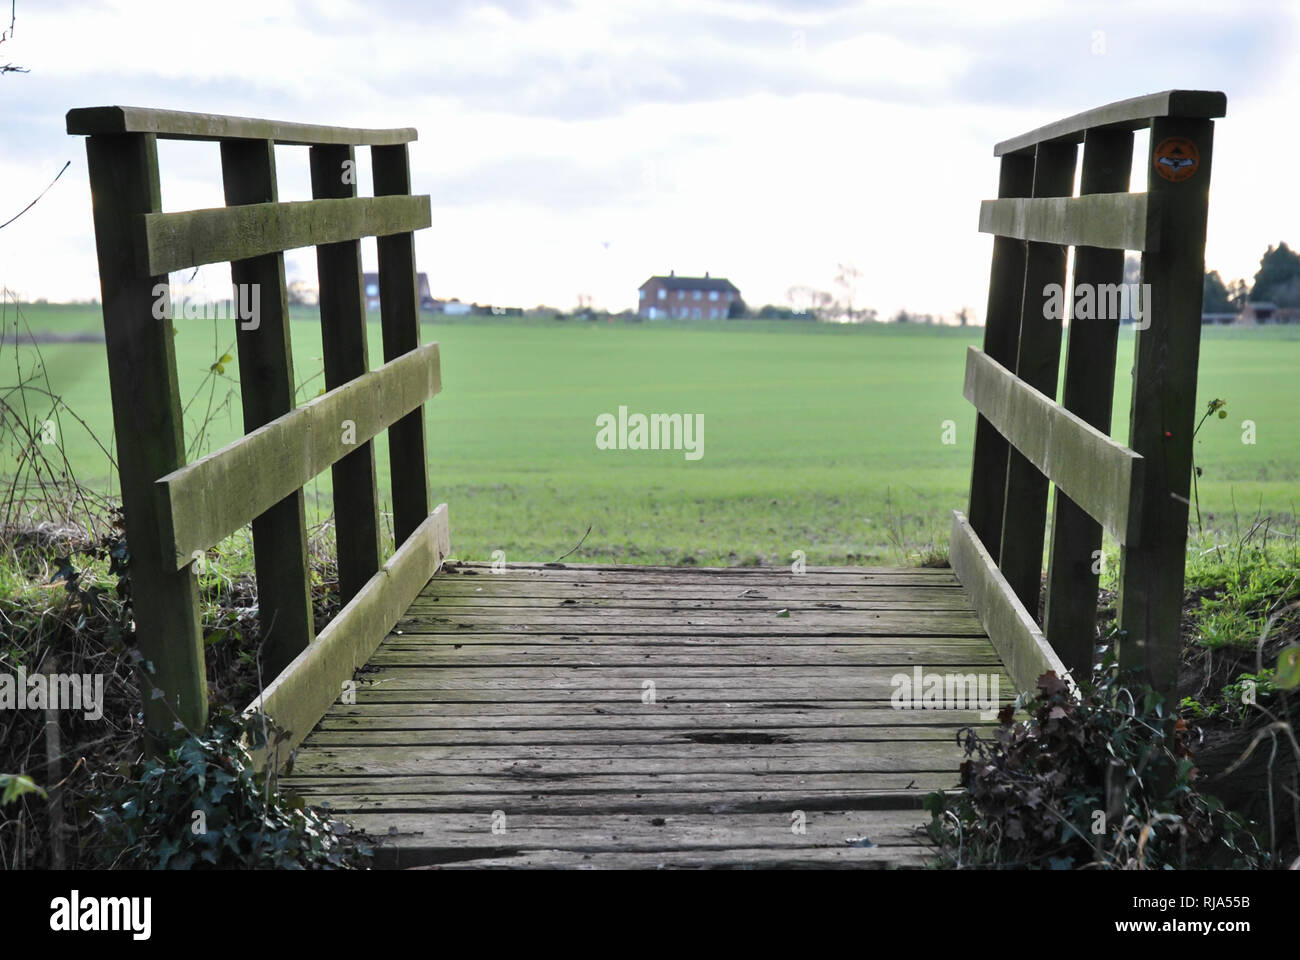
674	282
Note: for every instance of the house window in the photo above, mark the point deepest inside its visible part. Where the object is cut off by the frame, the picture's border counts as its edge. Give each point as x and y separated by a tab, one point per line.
713	313
663	294
697	313
372	289
681	294
713	294
697	294
641	294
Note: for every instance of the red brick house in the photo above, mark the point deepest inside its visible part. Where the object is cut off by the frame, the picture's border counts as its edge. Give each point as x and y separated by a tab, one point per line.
697	298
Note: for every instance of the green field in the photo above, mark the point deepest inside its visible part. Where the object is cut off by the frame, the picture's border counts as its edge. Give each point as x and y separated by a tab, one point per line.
817	438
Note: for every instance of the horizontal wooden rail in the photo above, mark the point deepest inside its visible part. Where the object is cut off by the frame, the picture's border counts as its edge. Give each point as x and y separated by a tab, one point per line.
304	690
1099	474
1132	114
213	497
178	241
1021	645
1116	221
176	125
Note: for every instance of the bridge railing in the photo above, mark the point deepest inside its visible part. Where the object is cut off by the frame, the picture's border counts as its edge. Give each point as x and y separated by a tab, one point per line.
1026	439
175	511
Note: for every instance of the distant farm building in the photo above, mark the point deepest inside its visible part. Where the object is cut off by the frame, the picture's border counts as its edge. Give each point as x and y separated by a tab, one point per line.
697	298
370	283
1259	311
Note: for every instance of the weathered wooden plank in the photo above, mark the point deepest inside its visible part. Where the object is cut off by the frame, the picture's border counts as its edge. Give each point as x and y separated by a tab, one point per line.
1099	474
177	125
442	588
407	761
530	830
346	357
1088	391
662	658
407	839
1163	411
524	786
683	757
636	570
746	576
431	697
1117	221
341	795
266	389
399	305
1001	342
1014	633
760	858
578	643
669	604
177	241
865	623
301	694
1132	114
147	422
216	495
516	740
1024	515
875	716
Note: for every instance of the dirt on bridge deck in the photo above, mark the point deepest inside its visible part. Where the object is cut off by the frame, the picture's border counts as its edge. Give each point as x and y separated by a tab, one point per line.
643	717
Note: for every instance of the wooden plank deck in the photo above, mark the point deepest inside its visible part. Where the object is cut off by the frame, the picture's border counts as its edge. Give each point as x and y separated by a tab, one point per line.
641	717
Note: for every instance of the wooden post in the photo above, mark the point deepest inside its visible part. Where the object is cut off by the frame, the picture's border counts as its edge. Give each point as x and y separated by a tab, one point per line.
266	389
149	429
1163	412
346	348
399	300
1024	516
1070	617
1001	340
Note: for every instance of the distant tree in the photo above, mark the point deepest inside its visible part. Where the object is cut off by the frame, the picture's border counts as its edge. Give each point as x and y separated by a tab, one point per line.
1214	297
1132	269
807	300
737	309
1238	294
846	278
1278	278
772	311
902	317
965	315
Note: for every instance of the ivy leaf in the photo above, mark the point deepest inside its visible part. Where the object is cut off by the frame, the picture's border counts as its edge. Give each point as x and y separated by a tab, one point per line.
1288	668
15	785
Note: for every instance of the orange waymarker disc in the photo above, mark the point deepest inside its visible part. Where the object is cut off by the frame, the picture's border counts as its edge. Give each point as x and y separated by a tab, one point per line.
1176	158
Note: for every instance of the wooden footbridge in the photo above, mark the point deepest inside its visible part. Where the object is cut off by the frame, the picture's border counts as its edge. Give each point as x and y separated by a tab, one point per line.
567	715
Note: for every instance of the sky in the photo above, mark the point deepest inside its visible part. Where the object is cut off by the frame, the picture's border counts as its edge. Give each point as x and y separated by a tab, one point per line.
576	148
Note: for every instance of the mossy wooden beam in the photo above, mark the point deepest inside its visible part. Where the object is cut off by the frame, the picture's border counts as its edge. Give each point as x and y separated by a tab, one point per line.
215	496
1163	409
266	390
148	424
178	125
177	241
1087	390
300	695
1132	114
1099	474
1115	221
1021	645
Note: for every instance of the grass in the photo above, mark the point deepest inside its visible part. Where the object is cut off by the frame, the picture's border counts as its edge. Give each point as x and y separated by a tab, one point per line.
817	438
